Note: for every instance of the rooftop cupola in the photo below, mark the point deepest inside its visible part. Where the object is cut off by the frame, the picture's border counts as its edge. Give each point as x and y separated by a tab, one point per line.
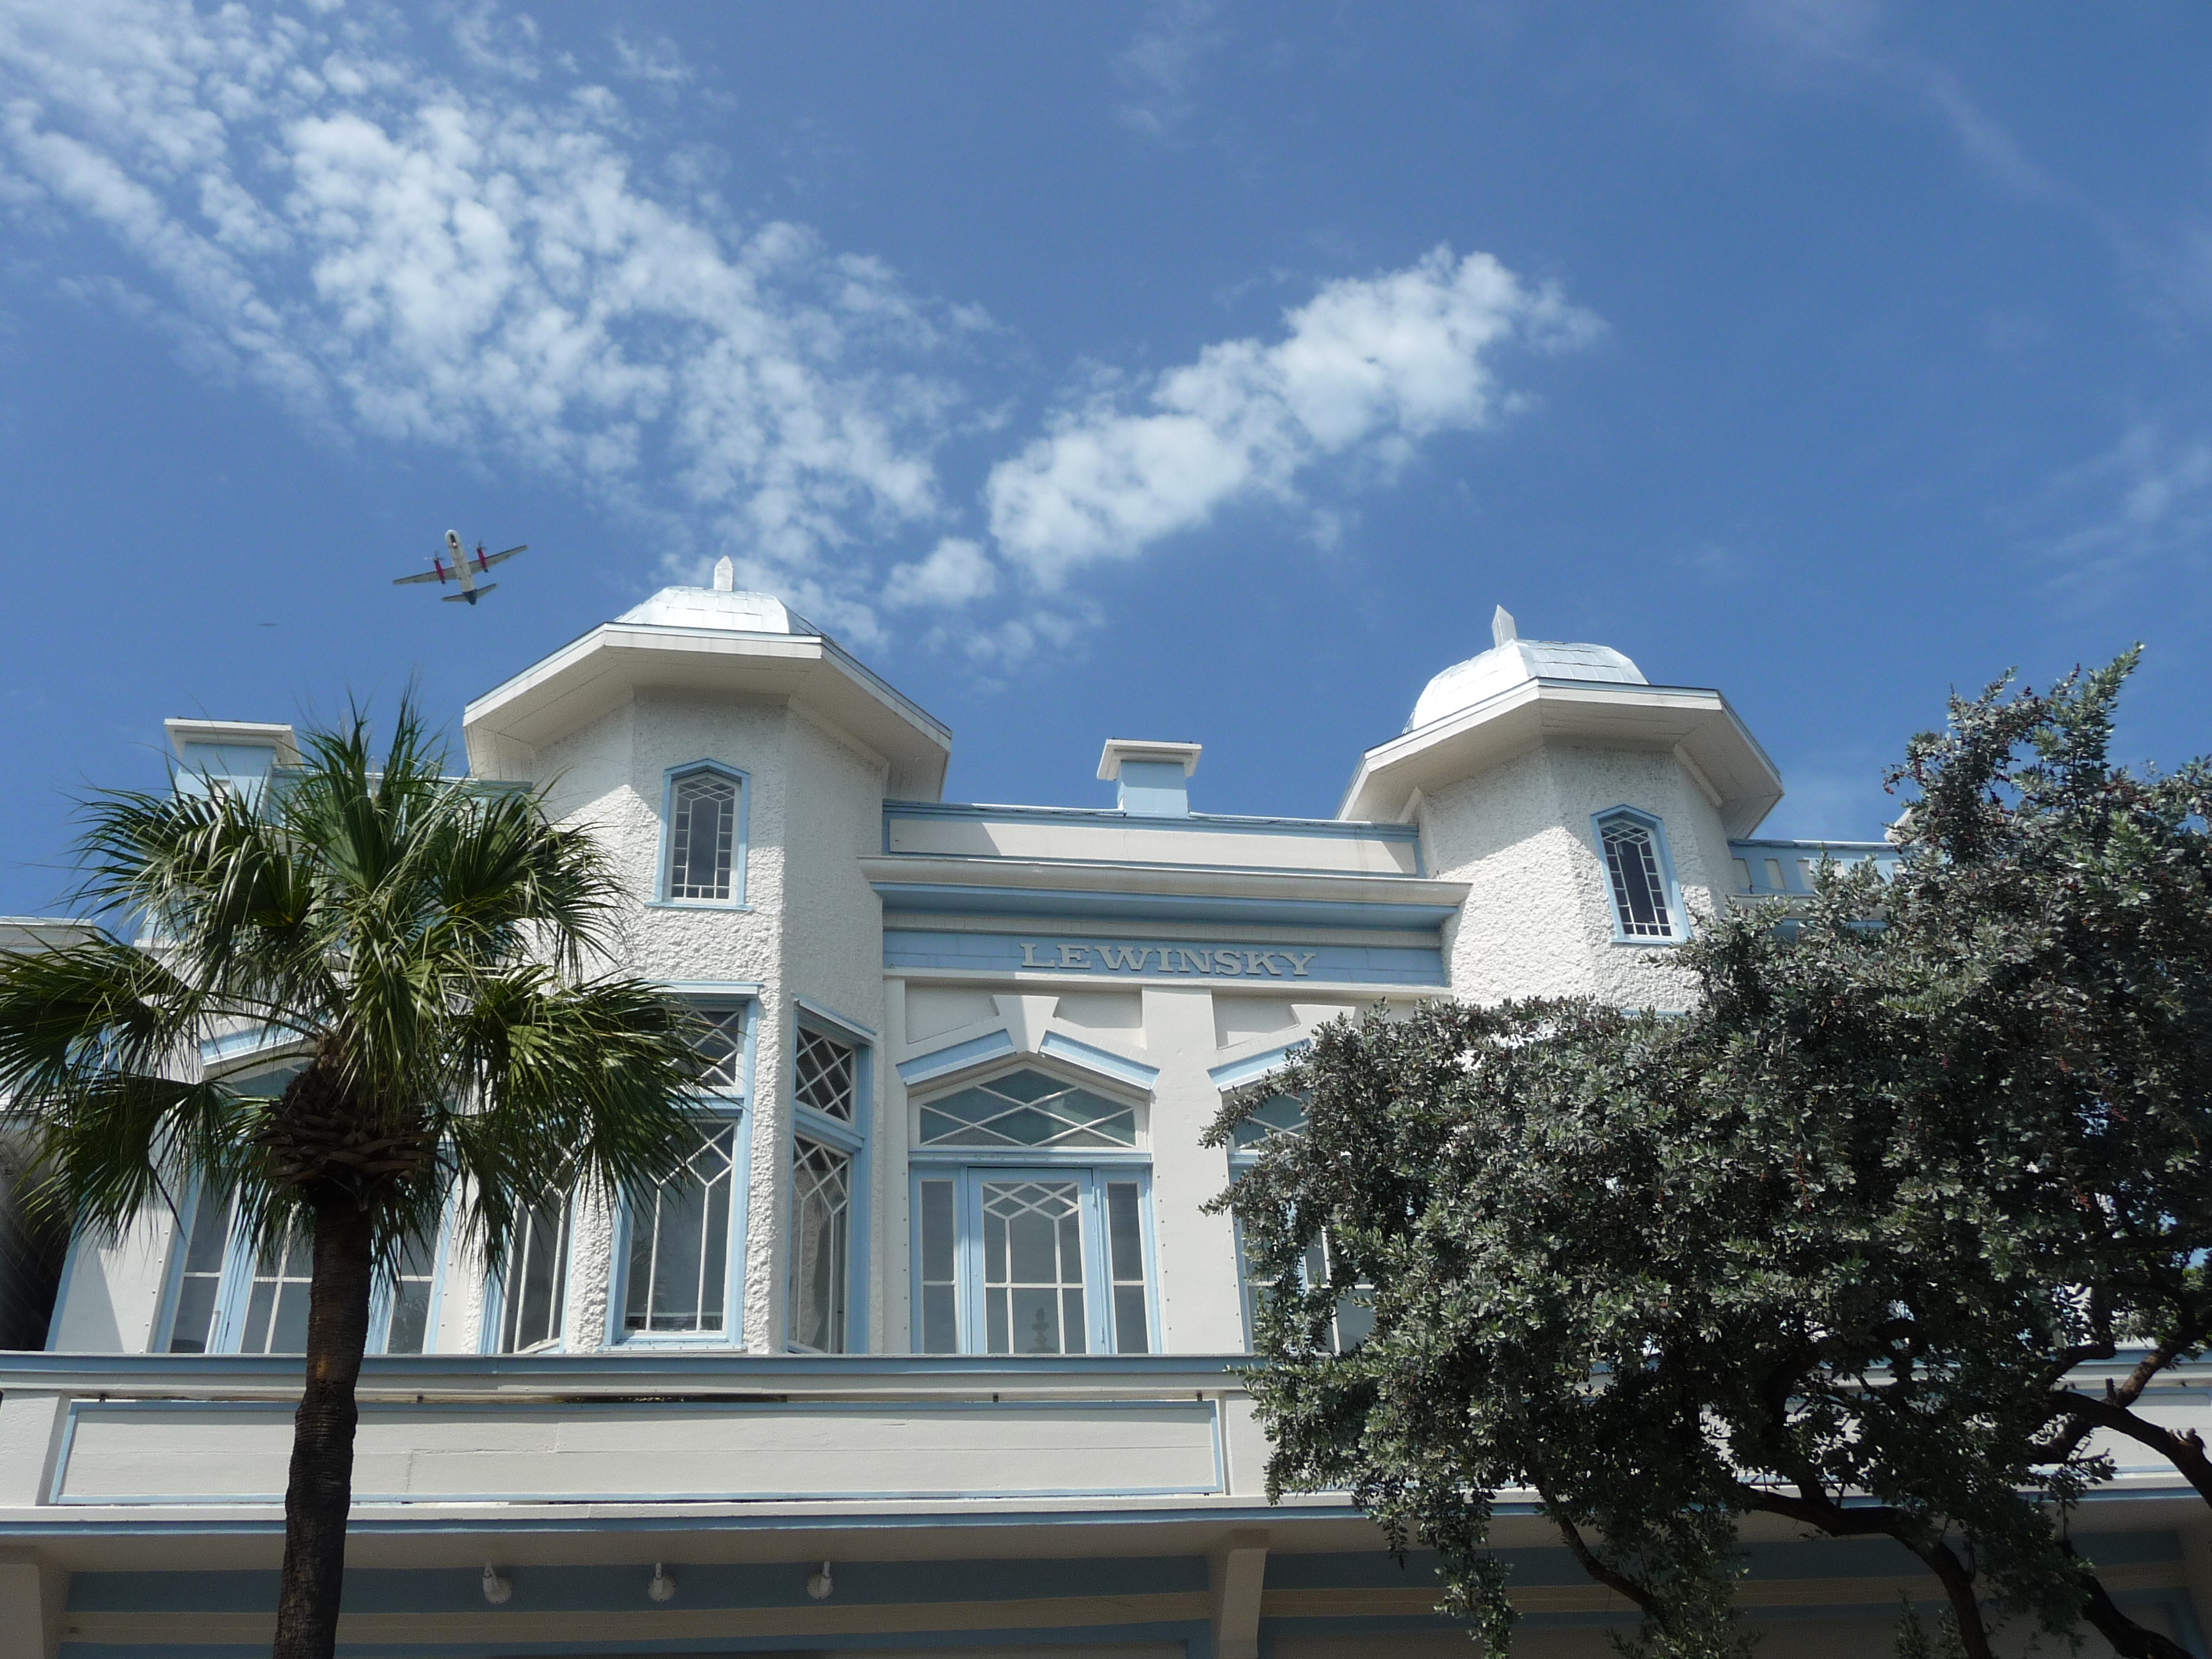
1512	659
1154	777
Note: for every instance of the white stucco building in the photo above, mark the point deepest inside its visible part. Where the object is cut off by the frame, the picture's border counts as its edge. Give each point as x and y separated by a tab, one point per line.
932	1344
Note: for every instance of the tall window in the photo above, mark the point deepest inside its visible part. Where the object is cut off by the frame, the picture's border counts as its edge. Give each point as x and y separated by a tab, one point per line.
703	803
1351	1319
400	1323
234	1298
534	1286
822	1215
680	1268
679	1242
1635	866
1030	1206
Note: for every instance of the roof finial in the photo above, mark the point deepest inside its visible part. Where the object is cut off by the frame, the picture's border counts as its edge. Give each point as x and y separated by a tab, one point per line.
726	576
1502	630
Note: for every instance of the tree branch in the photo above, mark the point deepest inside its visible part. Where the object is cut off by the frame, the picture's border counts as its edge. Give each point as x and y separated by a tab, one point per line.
1598	1568
1883	1520
2185	1451
2129	1639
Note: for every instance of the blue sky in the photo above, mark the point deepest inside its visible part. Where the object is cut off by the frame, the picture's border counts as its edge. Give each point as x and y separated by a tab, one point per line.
1183	370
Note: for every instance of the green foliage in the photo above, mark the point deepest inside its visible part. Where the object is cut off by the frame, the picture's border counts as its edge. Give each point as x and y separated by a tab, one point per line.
423	943
1920	1149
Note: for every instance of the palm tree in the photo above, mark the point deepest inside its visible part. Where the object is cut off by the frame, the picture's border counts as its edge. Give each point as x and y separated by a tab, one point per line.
427	947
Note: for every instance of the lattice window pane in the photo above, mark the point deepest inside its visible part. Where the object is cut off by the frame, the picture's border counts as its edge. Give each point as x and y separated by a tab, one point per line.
702	836
1027	1108
1033	1267
1639	891
277	1306
679	1241
1284	1117
826	1072
719	1037
409	1328
537	1278
821	1208
193	1331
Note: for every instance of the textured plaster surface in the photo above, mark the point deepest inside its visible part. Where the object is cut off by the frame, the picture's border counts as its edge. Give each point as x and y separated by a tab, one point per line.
1538	920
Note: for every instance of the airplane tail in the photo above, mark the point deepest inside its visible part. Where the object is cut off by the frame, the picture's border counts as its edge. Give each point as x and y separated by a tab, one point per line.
469	597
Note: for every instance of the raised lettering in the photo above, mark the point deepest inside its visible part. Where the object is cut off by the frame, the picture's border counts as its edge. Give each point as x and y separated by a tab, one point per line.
1197	962
1257	962
1226	961
1029	954
1075	955
1298	962
1122	957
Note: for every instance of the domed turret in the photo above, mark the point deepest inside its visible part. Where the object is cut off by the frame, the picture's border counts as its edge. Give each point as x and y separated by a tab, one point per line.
1512	660
719	606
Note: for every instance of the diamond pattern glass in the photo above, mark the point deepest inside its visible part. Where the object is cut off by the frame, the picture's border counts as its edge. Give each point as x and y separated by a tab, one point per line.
1282	1117
1640	893
679	1241
1033	1267
825	1072
720	1038
702	836
821	1208
1027	1108
537	1280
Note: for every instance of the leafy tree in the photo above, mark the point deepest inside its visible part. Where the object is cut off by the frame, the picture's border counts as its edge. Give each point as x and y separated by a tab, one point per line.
426	946
1848	1229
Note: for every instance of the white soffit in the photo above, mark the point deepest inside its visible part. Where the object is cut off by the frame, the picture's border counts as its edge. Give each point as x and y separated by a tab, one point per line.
1698	722
600	672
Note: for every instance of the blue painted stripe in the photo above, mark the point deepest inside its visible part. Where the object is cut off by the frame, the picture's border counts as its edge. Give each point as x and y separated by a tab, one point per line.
1098	1060
952	899
937	1064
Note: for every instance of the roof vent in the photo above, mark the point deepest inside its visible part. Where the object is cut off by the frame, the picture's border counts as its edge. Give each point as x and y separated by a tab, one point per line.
1155	777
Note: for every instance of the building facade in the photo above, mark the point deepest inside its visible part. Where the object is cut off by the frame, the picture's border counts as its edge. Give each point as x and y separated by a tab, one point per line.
931	1342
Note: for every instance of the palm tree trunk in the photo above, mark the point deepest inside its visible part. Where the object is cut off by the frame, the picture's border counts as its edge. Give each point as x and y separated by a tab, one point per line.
320	1491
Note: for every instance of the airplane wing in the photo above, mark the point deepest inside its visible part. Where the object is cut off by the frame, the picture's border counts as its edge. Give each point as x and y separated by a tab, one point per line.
427	576
490	559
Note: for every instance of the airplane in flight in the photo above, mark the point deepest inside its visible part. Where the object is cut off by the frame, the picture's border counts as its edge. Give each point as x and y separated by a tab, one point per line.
463	568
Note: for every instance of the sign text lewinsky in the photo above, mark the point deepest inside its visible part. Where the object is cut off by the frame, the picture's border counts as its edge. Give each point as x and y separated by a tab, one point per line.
1230	961
1314	961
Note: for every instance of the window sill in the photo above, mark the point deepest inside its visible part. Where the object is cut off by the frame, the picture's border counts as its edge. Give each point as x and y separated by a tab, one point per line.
1650	944
725	905
677	1342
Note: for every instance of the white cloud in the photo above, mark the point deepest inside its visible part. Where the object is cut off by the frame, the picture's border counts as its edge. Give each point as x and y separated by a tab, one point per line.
401	255
527	273
653	59
1160	66
1369	367
2145	502
957	571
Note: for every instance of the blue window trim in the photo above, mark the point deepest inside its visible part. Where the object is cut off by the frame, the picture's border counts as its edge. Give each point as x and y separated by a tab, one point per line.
736	1106
739	839
855	1139
1677	916
1093	1169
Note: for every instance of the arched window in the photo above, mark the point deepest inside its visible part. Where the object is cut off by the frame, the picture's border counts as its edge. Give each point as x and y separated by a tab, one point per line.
1645	904
1030	1206
704	836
